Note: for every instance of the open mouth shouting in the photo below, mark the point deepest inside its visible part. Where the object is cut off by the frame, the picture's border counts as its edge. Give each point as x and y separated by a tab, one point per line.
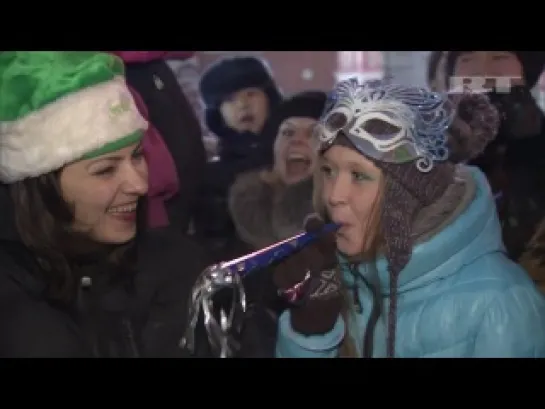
298	166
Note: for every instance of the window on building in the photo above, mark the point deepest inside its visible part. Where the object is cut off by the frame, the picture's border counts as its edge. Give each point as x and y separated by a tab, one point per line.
365	65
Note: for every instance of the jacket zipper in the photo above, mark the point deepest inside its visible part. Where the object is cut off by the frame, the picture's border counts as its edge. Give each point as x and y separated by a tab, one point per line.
368	336
129	334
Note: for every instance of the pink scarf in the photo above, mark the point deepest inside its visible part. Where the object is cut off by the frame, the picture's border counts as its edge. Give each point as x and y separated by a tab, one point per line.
145	56
162	175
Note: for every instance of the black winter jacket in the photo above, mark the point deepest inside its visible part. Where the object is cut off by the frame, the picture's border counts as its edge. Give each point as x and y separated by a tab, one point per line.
142	315
173	116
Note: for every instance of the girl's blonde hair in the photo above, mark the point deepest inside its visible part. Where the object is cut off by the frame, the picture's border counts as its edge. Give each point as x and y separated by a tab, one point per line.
371	247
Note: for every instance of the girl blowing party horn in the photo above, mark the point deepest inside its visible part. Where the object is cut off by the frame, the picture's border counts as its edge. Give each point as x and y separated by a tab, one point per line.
417	266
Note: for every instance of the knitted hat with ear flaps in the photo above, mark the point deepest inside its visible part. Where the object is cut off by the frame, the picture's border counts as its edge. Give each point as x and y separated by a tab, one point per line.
403	131
59	107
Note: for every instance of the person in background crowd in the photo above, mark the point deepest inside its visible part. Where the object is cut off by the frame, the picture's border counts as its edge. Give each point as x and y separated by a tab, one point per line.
162	175
239	94
435	75
513	162
533	258
187	70
174	118
81	274
417	267
270	205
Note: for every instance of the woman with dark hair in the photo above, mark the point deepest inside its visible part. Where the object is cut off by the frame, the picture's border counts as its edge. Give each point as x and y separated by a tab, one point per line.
417	267
80	274
270	205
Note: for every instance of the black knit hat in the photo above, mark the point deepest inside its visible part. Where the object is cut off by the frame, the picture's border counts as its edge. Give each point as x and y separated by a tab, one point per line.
233	74
308	104
533	63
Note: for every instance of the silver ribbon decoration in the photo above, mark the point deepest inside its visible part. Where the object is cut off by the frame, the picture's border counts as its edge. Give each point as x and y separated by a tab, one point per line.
228	276
220	334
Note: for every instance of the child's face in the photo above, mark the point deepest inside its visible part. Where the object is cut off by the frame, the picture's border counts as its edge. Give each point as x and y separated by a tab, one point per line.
246	110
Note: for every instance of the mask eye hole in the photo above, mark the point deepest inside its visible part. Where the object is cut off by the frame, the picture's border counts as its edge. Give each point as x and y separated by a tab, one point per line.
378	127
336	121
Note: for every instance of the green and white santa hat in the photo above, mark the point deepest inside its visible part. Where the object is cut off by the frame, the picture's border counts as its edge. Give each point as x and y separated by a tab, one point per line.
57	107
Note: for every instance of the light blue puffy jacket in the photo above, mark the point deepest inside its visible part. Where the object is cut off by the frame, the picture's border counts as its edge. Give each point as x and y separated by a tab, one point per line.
459	296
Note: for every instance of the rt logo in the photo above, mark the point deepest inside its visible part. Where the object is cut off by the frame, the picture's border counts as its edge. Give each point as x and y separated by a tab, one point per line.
481	84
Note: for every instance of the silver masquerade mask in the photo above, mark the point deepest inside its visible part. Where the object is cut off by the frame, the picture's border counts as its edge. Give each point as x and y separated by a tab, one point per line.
389	123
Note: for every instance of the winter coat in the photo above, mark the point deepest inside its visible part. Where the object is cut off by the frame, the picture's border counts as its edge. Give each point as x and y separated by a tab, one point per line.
533	259
213	222
188	73
138	315
459	296
265	213
516	172
172	115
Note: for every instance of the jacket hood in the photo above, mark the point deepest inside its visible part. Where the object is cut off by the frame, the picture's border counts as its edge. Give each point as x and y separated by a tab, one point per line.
162	175
474	232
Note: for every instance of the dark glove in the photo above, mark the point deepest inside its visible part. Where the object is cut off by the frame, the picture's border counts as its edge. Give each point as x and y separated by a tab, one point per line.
310	281
475	125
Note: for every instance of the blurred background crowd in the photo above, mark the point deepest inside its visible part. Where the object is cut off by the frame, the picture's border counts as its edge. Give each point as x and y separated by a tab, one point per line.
301	70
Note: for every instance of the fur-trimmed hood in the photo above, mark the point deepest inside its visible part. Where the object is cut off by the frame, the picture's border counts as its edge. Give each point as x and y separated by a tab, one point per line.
264	213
